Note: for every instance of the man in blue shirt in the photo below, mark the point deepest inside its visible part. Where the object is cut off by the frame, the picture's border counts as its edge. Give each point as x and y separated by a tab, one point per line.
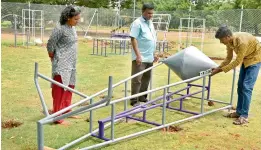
143	40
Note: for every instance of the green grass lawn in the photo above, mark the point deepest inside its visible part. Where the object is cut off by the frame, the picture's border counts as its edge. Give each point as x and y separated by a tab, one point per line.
21	102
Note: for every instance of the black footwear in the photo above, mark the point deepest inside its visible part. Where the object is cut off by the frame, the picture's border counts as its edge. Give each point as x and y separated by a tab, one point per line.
144	100
134	103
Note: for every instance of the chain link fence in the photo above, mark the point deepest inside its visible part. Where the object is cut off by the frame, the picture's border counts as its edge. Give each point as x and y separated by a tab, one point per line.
107	20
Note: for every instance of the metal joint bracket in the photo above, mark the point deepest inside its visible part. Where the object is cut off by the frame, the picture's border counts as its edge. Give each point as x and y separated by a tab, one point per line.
202	73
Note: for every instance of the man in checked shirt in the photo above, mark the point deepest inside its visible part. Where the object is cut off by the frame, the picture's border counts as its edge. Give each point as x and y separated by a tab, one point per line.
248	51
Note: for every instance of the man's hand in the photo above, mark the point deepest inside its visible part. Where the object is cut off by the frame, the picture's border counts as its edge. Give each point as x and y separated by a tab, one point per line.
216	71
51	56
156	59
138	60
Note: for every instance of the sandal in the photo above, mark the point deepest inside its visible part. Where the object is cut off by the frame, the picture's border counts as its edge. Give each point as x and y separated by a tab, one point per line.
241	121
232	115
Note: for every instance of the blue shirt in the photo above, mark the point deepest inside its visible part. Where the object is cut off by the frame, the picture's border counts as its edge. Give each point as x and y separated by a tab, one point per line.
143	31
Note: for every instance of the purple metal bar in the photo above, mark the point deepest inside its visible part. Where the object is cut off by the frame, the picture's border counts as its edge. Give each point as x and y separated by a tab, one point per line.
145	121
186	111
150	102
102	138
196	85
188	89
101	129
101	122
191	96
180	104
144	115
147	108
208	87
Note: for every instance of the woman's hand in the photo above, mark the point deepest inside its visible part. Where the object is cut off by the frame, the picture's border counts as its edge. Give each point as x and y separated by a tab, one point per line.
51	55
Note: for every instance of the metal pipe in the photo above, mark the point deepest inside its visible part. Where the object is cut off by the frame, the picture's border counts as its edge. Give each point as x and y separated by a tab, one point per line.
203	95
85	136
63	86
39	90
185	111
151	76
152	129
145	121
109	91
79	110
151	102
125	95
232	89
164	107
40	136
159	88
112	120
15	29
208	87
90	23
210	99
143	108
241	18
129	97
91	116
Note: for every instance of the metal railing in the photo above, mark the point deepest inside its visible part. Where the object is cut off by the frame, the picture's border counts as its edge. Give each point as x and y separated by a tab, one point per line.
106	102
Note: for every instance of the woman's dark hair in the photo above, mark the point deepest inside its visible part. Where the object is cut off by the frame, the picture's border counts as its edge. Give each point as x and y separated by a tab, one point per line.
69	12
222	32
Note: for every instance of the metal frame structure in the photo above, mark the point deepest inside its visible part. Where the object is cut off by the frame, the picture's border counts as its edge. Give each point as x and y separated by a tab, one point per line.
106	102
158	20
162	46
31	20
100	44
97	16
15	27
190	29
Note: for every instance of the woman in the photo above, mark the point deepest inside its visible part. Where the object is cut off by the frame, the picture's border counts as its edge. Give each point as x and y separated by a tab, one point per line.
62	50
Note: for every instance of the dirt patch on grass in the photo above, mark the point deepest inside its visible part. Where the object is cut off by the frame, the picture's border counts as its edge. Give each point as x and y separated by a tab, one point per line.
211	103
172	129
11	124
162	54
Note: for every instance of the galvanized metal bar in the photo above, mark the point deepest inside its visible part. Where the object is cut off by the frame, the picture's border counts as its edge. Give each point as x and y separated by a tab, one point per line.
125	95
164	107
203	94
112	120
63	86
40	136
39	89
152	129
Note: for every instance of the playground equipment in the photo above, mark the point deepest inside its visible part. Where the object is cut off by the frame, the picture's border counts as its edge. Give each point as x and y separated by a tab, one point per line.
115	44
97	16
15	19
195	29
33	20
183	62
161	23
162	102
